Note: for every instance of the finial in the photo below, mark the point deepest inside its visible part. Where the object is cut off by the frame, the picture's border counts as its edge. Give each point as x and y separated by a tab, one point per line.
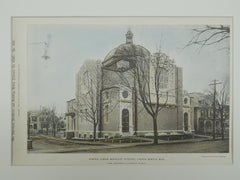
129	37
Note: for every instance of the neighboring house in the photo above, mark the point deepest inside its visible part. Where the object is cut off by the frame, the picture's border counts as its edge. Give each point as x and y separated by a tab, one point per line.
37	122
70	118
34	123
198	114
45	121
107	96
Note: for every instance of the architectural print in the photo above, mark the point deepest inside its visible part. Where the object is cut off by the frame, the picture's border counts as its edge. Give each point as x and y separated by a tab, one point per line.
112	90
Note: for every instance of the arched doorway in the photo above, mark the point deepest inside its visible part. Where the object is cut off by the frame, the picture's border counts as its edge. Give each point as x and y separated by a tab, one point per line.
185	121
125	120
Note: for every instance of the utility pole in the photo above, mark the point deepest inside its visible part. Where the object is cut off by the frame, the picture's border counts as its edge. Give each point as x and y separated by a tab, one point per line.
214	105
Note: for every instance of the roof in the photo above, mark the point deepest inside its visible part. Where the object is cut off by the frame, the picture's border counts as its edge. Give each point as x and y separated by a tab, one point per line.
127	50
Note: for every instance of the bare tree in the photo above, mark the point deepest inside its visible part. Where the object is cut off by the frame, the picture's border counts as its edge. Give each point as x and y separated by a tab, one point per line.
150	90
54	120
148	75
222	107
206	105
218	102
209	35
49	119
87	103
217	35
45	120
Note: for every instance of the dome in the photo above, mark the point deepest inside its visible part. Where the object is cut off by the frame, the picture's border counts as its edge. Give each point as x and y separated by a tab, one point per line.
127	50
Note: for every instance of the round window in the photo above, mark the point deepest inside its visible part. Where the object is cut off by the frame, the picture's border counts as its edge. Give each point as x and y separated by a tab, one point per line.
125	94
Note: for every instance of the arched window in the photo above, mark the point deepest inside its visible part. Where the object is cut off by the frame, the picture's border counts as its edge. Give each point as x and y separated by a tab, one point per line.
125	120
185	121
163	78
185	100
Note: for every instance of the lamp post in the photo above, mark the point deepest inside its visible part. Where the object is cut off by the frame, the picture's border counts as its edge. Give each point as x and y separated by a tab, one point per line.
214	107
29	140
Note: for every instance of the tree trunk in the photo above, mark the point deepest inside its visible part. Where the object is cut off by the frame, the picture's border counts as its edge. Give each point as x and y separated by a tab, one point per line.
94	131
54	130
222	131
222	126
155	129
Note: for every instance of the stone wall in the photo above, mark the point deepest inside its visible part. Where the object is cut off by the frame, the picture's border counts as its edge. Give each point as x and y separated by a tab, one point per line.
166	120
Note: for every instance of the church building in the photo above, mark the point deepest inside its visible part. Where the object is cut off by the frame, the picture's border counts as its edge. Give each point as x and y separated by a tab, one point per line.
109	101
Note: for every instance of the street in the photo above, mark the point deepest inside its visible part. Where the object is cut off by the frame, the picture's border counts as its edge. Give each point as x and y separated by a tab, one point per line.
194	147
44	144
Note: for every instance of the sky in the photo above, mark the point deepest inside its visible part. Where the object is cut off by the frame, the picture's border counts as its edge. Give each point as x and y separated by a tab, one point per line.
52	81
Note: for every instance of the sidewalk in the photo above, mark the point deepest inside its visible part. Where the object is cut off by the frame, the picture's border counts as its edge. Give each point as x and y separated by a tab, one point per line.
48	144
